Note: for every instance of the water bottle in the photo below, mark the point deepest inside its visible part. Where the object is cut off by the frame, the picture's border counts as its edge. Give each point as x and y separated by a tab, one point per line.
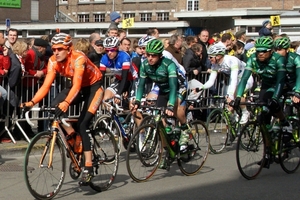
168	130
78	144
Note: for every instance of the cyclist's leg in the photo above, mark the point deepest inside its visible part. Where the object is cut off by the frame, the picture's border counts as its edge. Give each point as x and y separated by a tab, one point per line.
92	97
245	112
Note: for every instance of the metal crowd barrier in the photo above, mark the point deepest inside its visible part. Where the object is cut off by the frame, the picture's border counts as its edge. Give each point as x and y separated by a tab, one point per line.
28	86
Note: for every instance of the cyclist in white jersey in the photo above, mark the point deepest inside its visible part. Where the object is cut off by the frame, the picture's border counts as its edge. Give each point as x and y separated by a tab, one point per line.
233	68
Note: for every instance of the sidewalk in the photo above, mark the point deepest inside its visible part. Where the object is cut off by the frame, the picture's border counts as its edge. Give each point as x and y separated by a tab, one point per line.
11	149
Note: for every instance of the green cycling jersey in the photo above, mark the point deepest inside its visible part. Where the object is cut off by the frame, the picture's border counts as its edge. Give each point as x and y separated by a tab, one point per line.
164	74
293	70
272	73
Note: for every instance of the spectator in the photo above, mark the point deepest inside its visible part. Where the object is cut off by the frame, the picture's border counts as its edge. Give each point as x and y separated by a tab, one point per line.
203	40
93	38
153	32
115	19
215	38
112	32
241	38
175	47
136	50
11	37
82	45
97	52
121	34
226	41
125	45
166	43
266	29
192	60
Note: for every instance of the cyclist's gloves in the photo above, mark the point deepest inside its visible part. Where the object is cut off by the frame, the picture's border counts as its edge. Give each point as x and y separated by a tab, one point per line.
27	105
297	94
137	104
61	108
237	102
274	105
170	108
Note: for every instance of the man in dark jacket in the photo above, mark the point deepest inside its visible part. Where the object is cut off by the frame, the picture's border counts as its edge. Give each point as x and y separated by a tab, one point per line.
175	47
97	52
203	40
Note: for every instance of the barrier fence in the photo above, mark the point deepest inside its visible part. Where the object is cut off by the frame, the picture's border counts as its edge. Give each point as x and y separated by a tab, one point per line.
28	85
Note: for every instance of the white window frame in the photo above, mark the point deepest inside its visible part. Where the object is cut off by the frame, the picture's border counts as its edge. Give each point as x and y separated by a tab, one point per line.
145	17
194	5
86	17
165	16
101	17
128	15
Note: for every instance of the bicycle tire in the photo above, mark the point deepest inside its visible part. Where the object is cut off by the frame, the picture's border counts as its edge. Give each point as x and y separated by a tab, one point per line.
105	162
149	119
191	163
141	166
101	129
289	153
41	181
250	150
217	130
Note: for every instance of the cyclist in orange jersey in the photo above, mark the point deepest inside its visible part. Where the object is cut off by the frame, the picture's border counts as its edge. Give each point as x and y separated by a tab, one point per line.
86	86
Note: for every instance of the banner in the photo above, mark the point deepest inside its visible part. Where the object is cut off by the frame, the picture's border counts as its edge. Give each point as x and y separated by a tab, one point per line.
127	23
10	3
275	20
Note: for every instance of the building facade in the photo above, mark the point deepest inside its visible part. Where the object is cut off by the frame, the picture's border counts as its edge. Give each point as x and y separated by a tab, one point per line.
82	17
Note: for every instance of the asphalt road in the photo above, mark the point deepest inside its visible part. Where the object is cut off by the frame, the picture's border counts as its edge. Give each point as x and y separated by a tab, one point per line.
218	179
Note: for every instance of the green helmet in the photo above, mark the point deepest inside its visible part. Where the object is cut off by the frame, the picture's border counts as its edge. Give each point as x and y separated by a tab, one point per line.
264	43
155	46
282	43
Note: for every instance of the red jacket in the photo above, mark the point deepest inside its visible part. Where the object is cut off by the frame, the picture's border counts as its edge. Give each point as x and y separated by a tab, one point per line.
4	63
32	64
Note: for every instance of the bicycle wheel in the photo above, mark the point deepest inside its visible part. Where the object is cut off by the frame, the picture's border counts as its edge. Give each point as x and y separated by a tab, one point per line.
44	182
217	130
143	162
104	125
197	153
105	161
147	119
250	150
289	156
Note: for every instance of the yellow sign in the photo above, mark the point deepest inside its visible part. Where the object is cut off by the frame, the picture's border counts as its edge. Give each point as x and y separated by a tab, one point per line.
128	23
275	20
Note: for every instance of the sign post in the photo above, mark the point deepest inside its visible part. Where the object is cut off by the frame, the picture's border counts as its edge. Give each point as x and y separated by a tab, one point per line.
7	24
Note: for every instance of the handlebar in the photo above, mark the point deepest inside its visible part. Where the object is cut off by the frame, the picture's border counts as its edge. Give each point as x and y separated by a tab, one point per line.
112	106
37	109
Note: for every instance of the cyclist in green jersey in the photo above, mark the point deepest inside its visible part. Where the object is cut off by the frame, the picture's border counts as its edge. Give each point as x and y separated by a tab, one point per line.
282	46
163	72
270	66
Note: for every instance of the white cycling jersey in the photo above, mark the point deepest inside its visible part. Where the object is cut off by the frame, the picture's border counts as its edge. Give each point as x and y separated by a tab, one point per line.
232	67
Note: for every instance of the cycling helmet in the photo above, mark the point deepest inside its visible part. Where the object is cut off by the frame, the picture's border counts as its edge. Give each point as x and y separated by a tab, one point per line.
264	43
155	46
62	40
216	50
111	42
144	40
282	43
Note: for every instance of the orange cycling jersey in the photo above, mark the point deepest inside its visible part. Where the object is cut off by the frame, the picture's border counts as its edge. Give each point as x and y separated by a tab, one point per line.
77	67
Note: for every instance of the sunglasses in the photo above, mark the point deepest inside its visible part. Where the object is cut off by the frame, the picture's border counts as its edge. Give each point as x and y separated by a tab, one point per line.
111	50
58	49
263	51
152	55
210	57
143	48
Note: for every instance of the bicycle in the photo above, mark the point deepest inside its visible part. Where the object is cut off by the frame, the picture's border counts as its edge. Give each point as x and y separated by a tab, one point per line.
251	152
143	162
45	159
122	130
222	126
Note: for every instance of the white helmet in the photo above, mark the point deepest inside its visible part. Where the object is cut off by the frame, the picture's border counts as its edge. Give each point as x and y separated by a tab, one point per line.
144	40
111	42
216	49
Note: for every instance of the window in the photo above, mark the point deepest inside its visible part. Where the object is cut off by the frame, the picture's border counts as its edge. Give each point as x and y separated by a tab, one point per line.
34	10
83	18
146	16
84	0
64	1
163	16
99	17
128	15
192	5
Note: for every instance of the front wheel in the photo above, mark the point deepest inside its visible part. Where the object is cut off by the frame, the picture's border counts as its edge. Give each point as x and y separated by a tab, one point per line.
143	162
43	181
218	131
250	150
198	149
